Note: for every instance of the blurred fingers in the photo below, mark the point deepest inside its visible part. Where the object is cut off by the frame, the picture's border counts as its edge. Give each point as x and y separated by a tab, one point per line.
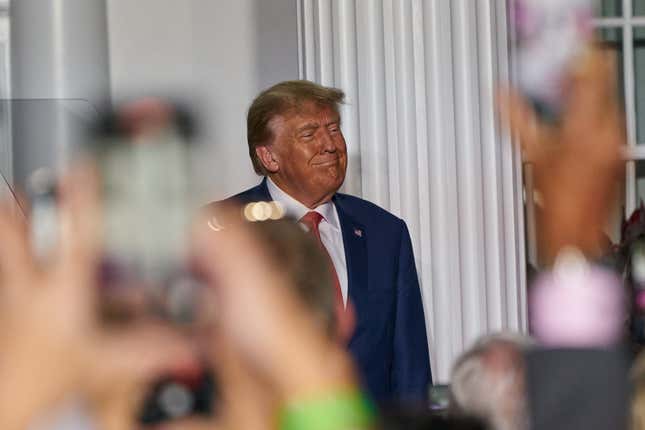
121	367
142	353
80	220
522	121
228	252
593	98
593	82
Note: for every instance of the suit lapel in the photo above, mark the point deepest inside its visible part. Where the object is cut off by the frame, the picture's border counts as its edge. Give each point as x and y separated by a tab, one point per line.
355	243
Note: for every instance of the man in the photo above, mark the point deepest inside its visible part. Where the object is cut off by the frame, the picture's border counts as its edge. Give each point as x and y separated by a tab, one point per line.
488	382
295	142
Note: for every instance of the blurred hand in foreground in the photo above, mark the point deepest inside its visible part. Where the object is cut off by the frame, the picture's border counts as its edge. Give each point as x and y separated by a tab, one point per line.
51	342
266	348
578	161
261	317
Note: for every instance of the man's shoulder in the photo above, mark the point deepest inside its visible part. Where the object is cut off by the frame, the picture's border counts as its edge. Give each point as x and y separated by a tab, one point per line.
253	194
365	210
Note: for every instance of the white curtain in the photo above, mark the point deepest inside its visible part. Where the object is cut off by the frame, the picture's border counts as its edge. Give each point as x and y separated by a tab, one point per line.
424	143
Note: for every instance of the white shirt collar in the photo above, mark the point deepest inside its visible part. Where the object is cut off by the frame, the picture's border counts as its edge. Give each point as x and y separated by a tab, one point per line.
297	210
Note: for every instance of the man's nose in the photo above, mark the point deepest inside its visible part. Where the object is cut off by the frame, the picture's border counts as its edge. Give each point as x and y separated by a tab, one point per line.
327	142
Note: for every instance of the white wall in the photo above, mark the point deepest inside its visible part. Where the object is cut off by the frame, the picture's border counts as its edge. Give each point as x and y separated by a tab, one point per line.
217	53
59	71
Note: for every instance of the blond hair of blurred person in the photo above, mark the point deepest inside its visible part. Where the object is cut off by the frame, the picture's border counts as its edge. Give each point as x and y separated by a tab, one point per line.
488	382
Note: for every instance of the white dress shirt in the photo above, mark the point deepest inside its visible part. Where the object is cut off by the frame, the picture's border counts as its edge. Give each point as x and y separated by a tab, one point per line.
330	231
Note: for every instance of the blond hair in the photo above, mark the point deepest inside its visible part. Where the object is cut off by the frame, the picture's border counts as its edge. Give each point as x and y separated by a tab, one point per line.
279	100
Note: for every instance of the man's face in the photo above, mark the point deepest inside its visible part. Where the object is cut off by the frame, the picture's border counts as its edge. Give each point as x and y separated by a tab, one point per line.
309	153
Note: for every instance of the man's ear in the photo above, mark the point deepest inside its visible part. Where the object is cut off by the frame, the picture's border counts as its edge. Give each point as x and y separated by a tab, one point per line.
267	158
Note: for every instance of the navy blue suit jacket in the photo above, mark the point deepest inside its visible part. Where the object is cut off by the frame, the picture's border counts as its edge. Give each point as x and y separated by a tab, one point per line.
390	344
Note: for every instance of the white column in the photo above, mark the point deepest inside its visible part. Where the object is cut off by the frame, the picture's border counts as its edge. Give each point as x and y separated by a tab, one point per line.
346	77
420	76
6	165
60	73
372	115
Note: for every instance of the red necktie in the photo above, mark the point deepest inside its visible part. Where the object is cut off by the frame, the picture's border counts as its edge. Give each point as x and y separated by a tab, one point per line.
312	220
345	316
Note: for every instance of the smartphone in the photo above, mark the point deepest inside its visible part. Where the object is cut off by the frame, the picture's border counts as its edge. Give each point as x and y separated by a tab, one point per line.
551	36
142	152
142	155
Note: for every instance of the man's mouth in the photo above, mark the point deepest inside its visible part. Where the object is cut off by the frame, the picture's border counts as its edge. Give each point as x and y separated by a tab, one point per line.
326	162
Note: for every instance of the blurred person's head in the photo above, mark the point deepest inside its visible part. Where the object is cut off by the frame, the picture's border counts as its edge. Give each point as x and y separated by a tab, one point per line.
298	256
488	382
637	413
294	137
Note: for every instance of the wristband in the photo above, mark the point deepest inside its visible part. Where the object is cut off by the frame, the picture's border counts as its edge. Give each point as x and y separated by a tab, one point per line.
577	305
340	410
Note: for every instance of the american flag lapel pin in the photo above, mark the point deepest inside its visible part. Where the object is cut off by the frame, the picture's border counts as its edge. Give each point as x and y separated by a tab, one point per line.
358	232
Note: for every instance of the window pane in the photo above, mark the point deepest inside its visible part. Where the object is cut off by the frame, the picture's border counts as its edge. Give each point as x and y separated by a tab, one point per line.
617	215
639	7
611	8
612	40
640	182
639	75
